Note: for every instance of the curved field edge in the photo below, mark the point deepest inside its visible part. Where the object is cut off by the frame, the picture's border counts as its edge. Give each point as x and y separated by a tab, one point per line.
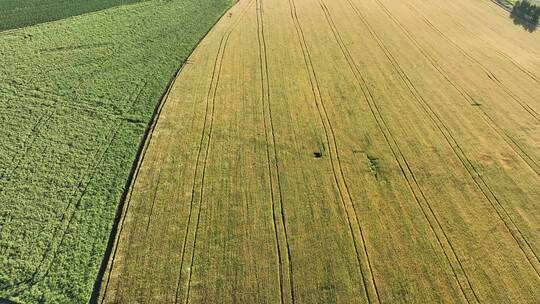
75	99
97	293
21	13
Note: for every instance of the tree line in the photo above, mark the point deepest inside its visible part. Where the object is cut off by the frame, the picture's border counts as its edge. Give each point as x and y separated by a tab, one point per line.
528	11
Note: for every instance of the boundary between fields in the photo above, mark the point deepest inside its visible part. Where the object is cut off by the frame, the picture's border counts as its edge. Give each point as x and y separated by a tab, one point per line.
139	157
9	31
208	120
501	5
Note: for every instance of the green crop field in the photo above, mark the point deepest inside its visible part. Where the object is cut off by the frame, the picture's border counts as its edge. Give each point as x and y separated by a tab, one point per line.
20	13
75	99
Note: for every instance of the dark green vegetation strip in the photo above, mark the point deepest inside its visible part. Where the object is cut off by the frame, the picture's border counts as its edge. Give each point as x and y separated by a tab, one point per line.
20	13
75	99
526	14
506	4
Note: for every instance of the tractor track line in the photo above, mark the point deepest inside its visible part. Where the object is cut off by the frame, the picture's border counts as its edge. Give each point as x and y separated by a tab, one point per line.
78	204
114	134
212	92
36	127
201	144
489	74
460	154
154	198
465	160
34	278
532	75
31	138
329	132
109	257
270	136
380	122
125	201
83	191
58	100
27	146
489	120
533	165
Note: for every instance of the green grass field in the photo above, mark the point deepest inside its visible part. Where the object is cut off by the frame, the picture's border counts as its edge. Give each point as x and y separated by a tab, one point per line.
75	99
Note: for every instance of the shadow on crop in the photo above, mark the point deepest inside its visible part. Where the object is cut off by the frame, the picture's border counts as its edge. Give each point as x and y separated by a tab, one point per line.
526	14
527	25
6	301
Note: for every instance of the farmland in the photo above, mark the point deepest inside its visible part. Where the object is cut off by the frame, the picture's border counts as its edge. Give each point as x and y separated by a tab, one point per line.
75	99
344	151
307	151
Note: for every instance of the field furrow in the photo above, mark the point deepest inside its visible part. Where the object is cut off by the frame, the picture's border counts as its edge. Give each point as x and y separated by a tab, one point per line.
282	241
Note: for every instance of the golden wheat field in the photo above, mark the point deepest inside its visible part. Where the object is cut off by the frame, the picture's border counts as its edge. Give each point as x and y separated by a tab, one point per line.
341	151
